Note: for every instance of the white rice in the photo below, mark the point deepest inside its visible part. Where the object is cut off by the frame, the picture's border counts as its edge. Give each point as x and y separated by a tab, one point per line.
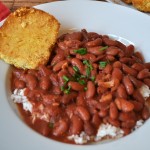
19	97
145	91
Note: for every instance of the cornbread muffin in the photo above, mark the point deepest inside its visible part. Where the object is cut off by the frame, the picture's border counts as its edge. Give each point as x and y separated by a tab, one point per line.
142	5
27	37
127	1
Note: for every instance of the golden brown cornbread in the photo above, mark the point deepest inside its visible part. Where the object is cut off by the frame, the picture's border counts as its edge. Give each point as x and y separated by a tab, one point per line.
27	37
142	5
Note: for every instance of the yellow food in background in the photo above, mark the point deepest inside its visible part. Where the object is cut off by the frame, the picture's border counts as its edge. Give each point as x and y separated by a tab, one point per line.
27	37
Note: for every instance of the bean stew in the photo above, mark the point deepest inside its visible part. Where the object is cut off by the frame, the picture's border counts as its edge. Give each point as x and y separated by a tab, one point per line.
90	81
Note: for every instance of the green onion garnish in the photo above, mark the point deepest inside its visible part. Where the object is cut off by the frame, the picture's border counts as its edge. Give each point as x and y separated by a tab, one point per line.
88	71
67	91
93	78
75	68
82	82
103	48
103	64
65	78
85	89
86	62
81	51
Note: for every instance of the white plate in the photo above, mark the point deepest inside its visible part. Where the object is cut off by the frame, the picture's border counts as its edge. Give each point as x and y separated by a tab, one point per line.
100	17
122	3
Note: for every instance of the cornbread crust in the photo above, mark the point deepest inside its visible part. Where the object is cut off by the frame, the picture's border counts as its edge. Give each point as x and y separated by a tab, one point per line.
27	37
142	5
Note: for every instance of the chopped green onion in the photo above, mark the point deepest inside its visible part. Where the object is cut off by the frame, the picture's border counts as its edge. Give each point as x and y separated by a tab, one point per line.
86	62
66	79
75	68
81	51
82	76
82	82
103	48
62	88
103	64
88	71
85	89
51	125
67	91
93	78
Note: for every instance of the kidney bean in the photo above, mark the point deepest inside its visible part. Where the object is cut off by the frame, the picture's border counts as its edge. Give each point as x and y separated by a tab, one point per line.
113	122
125	116
95	50
31	81
60	127
53	110
71	71
42	127
121	54
128	124
127	60
19	84
44	71
59	57
113	111
117	64
74	36
120	45
96	121
109	42
103	113
60	76
108	69
67	98
137	83
70	109
93	43
124	105
76	62
112	50
89	128
139	56
59	65
147	82
76	125
110	58
93	35
129	50
56	90
76	86
54	79
126	131
143	74
138	106
145	113
129	70
45	83
138	66
128	85
121	91
117	74
147	65
90	92
138	96
106	97
87	56
83	113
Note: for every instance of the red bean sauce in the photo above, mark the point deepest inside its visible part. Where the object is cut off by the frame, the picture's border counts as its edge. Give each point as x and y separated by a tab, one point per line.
90	79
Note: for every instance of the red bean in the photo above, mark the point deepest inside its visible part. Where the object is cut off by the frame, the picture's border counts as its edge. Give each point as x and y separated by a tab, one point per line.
89	129
19	84
117	74
112	50
113	112
121	91
60	65
45	83
129	70
76	125
129	50
95	50
83	113
128	85
76	86
90	89
60	128
31	81
143	74
95	42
